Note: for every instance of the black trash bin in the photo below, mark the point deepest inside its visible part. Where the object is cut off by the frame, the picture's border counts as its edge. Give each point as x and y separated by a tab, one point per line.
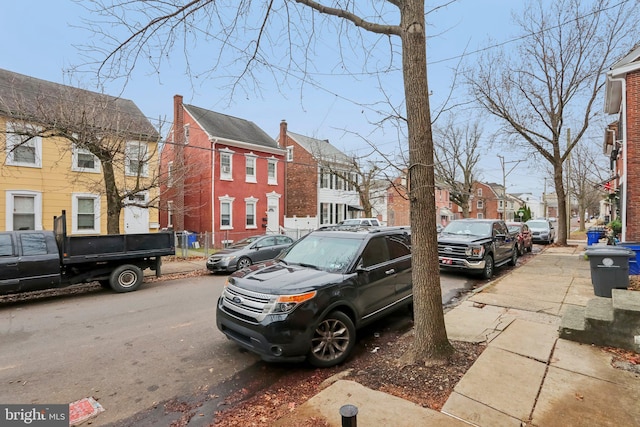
609	269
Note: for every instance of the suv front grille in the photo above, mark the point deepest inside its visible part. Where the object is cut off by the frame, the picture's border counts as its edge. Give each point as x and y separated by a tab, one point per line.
247	305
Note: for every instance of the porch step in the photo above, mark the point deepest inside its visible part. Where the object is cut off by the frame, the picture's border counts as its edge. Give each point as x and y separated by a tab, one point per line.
611	321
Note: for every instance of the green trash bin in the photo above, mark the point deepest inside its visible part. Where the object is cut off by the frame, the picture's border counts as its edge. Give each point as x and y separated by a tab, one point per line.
609	268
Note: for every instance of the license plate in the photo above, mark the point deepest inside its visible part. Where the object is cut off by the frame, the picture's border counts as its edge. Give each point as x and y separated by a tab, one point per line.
447	261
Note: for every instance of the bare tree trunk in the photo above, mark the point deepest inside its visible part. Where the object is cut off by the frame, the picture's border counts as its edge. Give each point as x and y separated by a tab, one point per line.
114	201
431	342
561	238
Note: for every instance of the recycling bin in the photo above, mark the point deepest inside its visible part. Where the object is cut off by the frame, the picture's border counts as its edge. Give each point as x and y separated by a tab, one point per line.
634	263
593	236
609	268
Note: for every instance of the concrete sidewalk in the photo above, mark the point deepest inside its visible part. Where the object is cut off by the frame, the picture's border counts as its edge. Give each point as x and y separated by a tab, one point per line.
526	376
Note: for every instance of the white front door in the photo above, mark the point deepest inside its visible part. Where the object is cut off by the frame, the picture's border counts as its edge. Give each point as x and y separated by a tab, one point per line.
273	212
136	217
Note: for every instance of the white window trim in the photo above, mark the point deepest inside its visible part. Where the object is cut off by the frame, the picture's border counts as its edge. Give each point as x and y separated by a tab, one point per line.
145	159
480	204
253	158
170	174
251	201
226	199
74	212
226	175
74	162
289	153
186	129
272	180
10	144
37	207
170	214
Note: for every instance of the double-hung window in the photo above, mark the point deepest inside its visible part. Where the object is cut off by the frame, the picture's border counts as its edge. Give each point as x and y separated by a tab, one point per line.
250	168
226	170
250	209
226	212
23	146
86	213
272	172
137	163
84	161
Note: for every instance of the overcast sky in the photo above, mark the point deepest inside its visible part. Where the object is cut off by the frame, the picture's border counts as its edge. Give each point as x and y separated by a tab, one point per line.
44	39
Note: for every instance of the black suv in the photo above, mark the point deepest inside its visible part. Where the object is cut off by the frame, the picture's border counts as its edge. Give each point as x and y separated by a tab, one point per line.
477	245
309	301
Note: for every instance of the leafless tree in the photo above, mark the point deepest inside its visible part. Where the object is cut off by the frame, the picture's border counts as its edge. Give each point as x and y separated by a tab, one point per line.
122	141
457	154
586	176
551	81
292	25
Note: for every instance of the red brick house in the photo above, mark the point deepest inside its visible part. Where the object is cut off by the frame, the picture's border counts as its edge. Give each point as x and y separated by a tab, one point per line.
484	201
316	195
222	174
622	142
398	203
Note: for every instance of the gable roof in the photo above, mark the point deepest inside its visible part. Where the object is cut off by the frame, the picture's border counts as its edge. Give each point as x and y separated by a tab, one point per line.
320	149
222	126
24	97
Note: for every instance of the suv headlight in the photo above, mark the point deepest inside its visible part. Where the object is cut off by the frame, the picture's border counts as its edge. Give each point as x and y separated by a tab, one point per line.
286	303
475	251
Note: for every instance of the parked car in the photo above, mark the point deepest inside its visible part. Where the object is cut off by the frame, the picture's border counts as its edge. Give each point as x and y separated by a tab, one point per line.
309	301
476	245
523	234
542	231
362	222
248	251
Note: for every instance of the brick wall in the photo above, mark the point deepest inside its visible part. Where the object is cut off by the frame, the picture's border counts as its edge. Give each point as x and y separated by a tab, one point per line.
633	160
301	179
398	206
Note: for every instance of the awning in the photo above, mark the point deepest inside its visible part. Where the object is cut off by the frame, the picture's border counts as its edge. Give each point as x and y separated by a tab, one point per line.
354	208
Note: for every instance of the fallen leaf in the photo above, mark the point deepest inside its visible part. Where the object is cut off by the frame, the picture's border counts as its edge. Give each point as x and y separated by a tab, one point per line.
579	396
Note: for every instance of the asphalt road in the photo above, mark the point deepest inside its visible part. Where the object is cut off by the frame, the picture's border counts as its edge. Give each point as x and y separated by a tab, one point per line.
131	351
128	351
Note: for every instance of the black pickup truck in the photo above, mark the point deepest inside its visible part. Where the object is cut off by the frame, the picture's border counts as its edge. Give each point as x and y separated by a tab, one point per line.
36	260
477	245
309	302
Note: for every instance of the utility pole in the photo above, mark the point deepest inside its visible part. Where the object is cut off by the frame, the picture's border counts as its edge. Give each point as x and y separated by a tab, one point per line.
504	183
544	199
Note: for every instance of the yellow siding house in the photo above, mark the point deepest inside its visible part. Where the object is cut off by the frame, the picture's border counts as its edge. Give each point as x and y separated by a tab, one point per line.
58	147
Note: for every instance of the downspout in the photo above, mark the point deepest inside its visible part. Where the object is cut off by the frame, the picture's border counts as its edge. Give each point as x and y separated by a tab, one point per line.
213	190
623	108
613	133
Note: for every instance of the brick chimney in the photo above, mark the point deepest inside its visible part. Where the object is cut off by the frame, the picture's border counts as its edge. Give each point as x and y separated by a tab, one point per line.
283	133
178	120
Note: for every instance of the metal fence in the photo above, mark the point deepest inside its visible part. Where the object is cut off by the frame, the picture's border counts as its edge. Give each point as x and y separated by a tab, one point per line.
189	244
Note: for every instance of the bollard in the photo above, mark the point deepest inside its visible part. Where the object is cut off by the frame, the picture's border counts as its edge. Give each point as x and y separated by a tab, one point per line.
348	413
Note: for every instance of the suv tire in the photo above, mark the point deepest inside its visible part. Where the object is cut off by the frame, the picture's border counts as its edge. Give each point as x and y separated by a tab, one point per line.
487	271
332	341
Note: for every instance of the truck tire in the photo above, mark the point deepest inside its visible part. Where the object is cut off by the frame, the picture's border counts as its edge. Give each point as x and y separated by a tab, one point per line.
487	271
332	341
514	257
126	278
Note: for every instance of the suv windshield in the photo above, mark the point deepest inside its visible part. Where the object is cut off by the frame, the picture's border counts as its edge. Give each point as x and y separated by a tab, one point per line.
332	254
468	227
